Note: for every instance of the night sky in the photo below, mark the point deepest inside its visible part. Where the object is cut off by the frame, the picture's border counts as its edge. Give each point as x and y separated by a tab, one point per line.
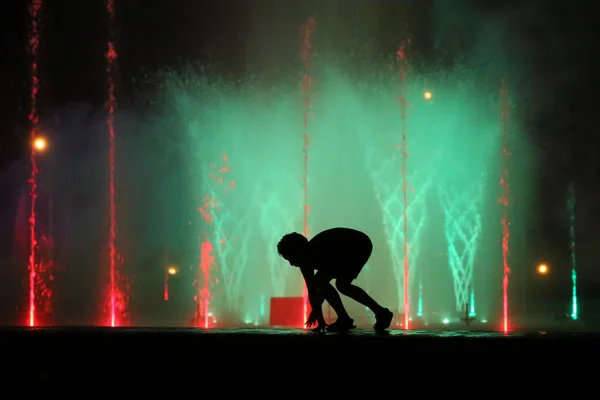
559	38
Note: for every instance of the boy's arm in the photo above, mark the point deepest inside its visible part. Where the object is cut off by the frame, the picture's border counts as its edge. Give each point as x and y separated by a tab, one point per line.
315	296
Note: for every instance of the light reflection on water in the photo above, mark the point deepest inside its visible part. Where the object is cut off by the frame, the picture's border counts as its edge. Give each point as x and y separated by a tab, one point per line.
299	332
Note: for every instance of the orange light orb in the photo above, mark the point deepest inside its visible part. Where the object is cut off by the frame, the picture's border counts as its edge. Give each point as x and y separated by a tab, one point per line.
40	144
542	269
427	95
172	270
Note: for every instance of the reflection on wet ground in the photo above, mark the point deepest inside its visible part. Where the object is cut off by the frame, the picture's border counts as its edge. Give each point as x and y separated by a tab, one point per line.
301	332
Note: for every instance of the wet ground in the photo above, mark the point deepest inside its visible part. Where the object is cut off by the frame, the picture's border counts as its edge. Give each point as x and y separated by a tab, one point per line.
144	356
258	331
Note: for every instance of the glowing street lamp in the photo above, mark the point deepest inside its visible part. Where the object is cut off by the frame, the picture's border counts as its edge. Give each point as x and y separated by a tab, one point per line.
172	270
542	269
427	95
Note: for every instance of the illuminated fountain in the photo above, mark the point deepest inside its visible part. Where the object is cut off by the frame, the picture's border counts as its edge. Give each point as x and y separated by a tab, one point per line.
410	157
239	147
462	227
277	216
388	190
116	294
450	172
573	254
40	265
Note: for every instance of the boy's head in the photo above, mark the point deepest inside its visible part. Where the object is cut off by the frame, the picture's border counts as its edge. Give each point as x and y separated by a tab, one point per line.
293	248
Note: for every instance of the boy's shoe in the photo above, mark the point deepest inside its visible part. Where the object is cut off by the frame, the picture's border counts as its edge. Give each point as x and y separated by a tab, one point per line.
383	320
319	329
341	325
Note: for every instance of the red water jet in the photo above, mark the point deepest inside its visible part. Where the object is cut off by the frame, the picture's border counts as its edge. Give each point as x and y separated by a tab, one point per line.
401	55
207	262
167	272
306	55
34	42
209	211
115	293
504	184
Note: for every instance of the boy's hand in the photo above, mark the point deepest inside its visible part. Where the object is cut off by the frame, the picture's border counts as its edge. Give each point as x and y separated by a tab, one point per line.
314	318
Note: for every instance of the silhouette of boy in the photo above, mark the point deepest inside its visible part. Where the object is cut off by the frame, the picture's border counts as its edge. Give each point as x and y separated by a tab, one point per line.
340	254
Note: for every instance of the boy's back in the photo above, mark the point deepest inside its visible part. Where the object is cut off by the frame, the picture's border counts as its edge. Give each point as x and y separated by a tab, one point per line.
338	250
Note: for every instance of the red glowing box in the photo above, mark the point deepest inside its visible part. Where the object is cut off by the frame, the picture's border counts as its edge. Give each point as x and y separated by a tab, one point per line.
287	312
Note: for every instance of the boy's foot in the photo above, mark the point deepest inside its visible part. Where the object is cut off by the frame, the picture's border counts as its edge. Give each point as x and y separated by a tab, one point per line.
319	329
383	320
341	325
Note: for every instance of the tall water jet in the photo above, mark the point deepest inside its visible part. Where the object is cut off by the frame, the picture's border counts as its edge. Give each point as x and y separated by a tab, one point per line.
306	54
116	295
504	200
571	211
34	42
401	53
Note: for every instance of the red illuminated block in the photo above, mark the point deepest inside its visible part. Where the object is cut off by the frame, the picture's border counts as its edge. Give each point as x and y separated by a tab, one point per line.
287	312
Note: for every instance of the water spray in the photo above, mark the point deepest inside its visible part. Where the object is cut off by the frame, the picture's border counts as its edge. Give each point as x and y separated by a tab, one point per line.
401	54
34	42
306	54
571	210
504	184
115	294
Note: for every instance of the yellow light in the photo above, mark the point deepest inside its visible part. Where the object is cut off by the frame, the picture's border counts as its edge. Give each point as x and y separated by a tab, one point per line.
427	95
172	270
542	269
40	144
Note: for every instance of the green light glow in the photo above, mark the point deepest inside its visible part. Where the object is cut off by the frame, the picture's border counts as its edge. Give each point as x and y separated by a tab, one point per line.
420	305
472	305
571	209
461	201
242	148
262	305
574	299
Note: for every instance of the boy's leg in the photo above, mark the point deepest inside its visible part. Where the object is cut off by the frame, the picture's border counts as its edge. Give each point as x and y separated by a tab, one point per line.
350	271
344	322
333	297
383	316
357	294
